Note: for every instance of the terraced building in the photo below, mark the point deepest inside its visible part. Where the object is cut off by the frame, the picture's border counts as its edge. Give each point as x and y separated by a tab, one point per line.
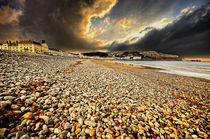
25	46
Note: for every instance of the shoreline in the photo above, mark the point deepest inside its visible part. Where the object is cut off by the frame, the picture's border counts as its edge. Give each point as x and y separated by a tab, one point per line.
174	71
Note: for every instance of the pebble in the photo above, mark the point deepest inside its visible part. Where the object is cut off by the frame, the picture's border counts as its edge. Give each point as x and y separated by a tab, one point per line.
3	104
56	131
9	98
92	132
15	107
11	135
41	137
78	131
19	134
45	129
3	132
67	126
25	137
90	123
80	121
28	115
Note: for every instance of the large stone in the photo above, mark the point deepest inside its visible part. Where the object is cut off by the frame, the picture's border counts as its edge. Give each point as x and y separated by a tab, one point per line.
45	118
15	107
28	115
11	135
90	123
3	104
25	137
92	132
19	134
67	126
10	98
45	129
3	132
78	131
63	135
29	101
80	121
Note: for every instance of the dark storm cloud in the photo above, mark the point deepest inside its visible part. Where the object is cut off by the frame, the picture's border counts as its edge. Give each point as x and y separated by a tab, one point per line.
10	31
189	36
9	13
55	21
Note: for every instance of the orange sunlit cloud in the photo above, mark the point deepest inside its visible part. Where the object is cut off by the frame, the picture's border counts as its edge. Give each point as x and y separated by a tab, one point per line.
185	10
98	10
107	20
8	14
161	23
124	23
94	32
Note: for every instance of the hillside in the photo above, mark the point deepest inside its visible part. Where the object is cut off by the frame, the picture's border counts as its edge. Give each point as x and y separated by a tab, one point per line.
145	55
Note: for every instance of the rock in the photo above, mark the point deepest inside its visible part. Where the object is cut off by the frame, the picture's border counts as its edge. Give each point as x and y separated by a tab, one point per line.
29	101
109	136
3	104
90	123
50	114
92	133
141	131
41	137
80	121
194	136
37	126
45	118
11	135
45	129
19	134
37	94
10	98
23	109
25	137
12	125
15	107
78	131
23	91
3	132
173	136
82	133
87	130
63	135
28	116
23	123
61	105
16	112
56	131
23	97
67	126
109	131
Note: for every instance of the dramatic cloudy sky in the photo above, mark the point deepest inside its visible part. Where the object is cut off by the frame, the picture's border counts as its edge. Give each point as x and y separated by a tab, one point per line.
171	26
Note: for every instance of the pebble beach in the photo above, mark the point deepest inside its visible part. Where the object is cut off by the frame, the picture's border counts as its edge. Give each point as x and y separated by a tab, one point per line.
59	97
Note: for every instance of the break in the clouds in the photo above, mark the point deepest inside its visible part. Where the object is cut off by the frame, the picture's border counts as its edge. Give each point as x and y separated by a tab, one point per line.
88	25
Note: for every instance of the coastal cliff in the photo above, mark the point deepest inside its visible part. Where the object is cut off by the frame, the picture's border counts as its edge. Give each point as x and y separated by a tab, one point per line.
135	55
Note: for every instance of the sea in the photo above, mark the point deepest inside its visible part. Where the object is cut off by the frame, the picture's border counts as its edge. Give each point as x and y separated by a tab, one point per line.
199	69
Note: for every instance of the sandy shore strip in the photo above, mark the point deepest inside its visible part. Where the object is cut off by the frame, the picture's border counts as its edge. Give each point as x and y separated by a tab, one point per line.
170	70
63	97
